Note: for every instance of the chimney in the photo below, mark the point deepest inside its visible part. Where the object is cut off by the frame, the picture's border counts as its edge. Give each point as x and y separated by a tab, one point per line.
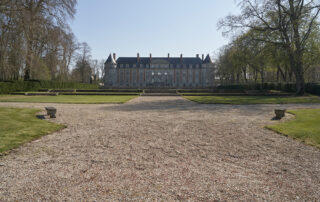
181	58
197	55
202	57
168	56
114	56
150	57
138	58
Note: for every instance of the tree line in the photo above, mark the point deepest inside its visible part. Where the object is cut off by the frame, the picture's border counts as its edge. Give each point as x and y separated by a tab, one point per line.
37	43
273	41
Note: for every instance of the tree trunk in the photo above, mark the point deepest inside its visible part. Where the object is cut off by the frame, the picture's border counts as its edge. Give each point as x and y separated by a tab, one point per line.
28	61
245	75
262	76
283	75
255	76
297	68
238	78
290	76
300	83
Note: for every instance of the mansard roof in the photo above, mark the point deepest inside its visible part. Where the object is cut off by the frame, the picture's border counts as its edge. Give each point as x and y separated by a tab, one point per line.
171	60
208	59
111	60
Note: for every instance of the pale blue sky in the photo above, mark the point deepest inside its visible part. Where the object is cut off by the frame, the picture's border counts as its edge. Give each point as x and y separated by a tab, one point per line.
151	26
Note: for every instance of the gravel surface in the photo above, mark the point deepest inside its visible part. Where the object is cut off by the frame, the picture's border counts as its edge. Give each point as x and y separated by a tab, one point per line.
162	148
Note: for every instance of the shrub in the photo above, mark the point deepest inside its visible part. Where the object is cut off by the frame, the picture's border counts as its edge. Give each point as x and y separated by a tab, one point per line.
312	88
35	85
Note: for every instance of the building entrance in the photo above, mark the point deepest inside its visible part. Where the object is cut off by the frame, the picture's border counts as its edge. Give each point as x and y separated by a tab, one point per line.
159	79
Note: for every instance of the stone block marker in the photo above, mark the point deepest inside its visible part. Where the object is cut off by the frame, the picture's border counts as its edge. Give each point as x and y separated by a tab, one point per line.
279	113
51	111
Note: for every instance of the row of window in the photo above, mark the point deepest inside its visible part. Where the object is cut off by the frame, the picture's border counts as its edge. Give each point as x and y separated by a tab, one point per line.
163	84
159	76
160	65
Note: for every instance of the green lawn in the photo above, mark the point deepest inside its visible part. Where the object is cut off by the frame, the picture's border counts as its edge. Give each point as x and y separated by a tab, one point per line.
252	99
304	127
70	99
20	125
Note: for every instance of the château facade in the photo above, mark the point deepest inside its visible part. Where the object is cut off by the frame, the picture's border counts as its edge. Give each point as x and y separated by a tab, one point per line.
159	72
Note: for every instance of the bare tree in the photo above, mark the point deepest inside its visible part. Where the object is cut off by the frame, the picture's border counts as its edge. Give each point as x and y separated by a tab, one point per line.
35	14
68	49
101	69
32	34
83	68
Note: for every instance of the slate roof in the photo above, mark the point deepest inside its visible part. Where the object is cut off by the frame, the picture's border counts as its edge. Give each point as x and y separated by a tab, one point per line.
111	60
171	60
207	59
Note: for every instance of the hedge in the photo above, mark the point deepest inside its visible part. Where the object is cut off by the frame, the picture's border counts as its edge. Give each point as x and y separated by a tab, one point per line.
34	85
312	88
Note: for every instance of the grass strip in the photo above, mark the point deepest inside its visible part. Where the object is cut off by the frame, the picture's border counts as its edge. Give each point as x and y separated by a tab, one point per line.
72	99
304	127
20	125
238	100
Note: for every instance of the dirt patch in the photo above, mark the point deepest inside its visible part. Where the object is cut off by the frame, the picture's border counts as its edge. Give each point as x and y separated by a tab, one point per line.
162	148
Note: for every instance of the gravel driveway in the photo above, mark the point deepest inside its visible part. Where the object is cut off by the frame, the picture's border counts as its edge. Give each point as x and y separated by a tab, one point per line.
165	148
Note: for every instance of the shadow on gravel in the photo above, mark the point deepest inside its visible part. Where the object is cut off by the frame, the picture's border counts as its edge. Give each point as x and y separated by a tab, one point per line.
167	105
180	105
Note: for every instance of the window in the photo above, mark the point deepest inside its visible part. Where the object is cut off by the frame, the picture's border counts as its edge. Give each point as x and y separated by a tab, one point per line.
127	65
134	65
121	65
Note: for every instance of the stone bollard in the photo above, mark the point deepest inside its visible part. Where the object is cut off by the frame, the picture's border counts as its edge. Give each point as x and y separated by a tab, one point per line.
279	113
51	111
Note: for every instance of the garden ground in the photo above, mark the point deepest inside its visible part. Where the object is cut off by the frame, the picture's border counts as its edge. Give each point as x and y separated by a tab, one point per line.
162	148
